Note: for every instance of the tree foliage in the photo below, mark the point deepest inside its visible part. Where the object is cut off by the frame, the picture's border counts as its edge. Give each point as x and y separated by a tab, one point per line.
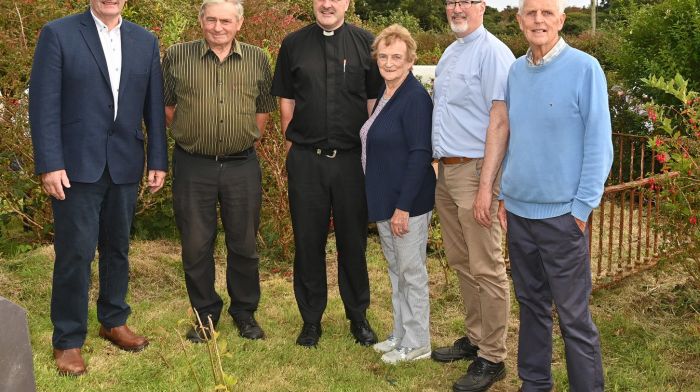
661	39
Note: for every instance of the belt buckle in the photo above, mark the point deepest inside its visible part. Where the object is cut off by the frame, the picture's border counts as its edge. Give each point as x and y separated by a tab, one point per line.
319	151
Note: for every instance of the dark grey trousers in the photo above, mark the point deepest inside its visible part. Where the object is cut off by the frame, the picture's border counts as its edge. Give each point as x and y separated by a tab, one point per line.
199	185
550	263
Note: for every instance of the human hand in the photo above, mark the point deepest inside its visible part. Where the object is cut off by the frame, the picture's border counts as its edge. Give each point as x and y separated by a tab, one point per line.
53	183
156	179
502	216
481	207
581	224
399	223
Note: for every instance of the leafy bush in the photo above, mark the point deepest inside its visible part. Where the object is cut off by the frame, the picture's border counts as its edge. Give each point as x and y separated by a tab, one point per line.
661	39
378	22
677	148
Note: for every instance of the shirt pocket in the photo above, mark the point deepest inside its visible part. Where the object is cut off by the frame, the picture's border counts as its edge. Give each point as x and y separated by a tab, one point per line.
354	79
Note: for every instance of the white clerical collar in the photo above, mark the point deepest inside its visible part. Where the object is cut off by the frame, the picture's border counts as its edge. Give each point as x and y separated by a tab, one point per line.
330	33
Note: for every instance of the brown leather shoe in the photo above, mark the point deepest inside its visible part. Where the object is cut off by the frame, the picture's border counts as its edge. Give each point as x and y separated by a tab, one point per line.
123	338
69	362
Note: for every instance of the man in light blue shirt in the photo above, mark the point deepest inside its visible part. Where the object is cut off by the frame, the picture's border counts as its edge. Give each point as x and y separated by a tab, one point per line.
559	156
470	133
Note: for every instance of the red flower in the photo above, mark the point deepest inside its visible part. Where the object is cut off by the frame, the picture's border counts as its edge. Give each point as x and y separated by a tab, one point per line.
693	220
155	29
662	158
659	142
651	113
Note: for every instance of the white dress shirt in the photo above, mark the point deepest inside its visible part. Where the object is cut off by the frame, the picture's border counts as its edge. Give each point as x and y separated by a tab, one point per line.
112	47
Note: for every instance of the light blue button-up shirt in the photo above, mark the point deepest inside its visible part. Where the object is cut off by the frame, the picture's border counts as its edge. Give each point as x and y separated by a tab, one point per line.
471	74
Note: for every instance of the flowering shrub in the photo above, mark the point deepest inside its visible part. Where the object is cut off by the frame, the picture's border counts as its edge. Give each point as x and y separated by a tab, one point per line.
676	147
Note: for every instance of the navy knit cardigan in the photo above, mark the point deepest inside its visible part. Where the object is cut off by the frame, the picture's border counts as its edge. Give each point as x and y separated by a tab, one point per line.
399	173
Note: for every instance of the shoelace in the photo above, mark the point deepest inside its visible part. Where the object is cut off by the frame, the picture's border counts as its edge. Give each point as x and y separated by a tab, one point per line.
477	367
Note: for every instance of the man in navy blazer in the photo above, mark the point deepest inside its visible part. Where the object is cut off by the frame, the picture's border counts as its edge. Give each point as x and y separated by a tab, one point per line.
94	80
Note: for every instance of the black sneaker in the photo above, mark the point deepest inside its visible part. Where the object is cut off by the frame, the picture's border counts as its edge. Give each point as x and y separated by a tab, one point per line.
481	374
249	328
362	332
461	349
310	333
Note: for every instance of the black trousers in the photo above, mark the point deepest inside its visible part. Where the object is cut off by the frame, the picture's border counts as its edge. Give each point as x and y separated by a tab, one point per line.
94	215
318	185
199	185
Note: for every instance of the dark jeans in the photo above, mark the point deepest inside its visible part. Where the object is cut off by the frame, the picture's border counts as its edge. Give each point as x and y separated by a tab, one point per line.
550	263
92	215
317	186
199	185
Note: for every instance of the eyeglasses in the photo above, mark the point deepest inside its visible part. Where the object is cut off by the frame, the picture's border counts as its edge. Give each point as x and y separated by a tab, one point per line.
462	3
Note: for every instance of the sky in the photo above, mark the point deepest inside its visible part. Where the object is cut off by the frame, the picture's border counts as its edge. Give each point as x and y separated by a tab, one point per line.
500	4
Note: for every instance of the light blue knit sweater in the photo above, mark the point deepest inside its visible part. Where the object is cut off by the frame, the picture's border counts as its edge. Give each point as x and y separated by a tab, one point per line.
560	148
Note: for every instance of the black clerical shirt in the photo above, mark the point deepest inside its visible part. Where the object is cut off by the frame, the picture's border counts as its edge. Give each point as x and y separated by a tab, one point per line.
330	77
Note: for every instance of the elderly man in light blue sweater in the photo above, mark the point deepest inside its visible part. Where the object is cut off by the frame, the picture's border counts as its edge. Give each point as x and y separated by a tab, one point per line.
559	155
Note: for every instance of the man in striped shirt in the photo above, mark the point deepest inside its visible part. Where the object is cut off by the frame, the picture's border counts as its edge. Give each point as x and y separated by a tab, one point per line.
217	103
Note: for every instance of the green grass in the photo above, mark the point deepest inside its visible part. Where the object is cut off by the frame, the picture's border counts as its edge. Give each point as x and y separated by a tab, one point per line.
650	331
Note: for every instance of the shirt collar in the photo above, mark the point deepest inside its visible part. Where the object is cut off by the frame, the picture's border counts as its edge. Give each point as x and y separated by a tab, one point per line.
235	48
103	27
332	32
551	55
472	36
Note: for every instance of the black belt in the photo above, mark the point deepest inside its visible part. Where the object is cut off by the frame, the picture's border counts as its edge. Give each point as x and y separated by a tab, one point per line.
221	158
325	151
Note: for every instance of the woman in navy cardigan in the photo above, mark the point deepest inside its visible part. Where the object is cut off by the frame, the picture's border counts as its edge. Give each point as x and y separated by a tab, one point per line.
400	186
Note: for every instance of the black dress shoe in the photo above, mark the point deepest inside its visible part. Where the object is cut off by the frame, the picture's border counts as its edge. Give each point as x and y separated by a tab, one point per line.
198	335
461	349
363	332
310	333
249	328
481	374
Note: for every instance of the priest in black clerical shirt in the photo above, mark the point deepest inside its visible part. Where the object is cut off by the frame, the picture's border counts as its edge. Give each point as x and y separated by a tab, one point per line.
327	83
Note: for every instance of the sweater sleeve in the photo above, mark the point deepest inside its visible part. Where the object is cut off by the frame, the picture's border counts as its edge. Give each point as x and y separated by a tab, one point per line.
416	127
597	141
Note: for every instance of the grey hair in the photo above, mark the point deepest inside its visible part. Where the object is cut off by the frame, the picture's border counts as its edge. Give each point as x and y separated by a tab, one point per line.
238	4
561	5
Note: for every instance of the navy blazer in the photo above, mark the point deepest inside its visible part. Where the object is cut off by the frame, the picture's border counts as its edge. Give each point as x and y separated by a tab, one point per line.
399	173
71	107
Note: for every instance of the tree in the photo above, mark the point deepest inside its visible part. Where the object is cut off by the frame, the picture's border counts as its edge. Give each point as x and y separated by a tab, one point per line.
661	39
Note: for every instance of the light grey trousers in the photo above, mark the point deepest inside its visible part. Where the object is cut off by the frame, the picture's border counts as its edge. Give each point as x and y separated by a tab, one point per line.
406	257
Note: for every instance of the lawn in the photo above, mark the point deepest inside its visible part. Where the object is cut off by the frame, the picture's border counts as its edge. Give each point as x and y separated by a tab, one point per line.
650	326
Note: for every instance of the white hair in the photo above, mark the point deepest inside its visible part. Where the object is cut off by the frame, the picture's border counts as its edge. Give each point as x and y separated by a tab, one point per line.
561	5
238	5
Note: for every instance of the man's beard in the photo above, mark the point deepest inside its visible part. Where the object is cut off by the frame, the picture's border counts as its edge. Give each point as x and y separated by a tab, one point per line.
459	28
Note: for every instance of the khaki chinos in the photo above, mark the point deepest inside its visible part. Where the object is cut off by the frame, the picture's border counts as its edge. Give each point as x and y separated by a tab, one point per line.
474	252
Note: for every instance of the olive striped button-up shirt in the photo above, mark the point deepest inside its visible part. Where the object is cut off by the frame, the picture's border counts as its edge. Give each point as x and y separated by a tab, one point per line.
216	100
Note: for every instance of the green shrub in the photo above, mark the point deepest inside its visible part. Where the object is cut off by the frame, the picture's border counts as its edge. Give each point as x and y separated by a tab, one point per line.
677	148
661	39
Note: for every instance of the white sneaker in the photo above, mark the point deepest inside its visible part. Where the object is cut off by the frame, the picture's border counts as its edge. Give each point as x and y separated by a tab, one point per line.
401	354
388	345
